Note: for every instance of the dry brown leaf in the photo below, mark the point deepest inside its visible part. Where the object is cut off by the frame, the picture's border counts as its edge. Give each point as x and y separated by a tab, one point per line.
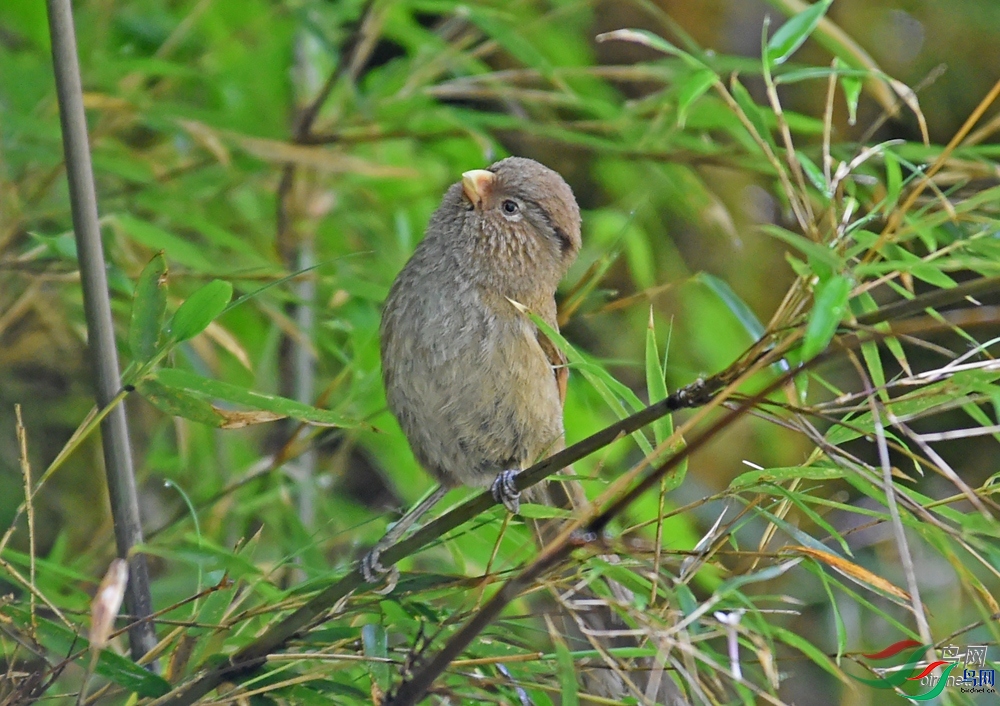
107	601
227	341
106	103
234	419
908	96
323	159
852	570
207	138
317	157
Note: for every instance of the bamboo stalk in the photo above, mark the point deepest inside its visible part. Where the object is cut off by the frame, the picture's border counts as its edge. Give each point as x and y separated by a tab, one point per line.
100	326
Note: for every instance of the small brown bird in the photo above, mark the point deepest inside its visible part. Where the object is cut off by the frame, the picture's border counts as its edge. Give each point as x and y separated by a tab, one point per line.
476	387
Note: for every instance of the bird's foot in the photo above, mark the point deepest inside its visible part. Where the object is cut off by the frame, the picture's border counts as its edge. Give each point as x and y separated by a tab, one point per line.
504	491
373	572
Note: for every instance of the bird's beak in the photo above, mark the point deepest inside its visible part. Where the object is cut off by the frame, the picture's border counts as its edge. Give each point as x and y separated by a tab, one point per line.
477	185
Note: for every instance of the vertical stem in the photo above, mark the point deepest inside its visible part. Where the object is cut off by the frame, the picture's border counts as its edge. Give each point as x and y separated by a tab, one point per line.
290	230
305	376
22	452
100	327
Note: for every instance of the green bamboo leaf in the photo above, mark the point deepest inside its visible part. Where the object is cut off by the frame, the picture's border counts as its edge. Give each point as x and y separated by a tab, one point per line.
752	479
813	173
739	308
693	89
653	41
611	390
765	574
149	307
208	389
865	304
746	103
568	684
795	498
826	315
873	361
375	641
803	645
534	511
656	384
816	253
791	35
852	83
176	248
178	403
200	309
58	639
510	36
893	178
910	405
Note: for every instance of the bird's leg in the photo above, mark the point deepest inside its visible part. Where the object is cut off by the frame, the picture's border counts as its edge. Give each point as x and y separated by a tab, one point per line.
371	568
504	491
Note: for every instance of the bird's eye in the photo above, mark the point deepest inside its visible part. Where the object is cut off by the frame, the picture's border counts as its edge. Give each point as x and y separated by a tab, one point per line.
510	207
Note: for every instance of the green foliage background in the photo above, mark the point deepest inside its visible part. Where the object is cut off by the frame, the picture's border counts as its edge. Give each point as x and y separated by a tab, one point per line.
690	247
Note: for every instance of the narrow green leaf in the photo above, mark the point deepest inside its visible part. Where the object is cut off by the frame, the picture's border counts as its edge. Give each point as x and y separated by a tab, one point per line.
755	478
865	304
838	619
510	36
178	403
809	650
893	178
120	670
653	41
816	518
765	574
149	307
200	309
693	89
215	389
177	249
914	404
873	361
613	391
534	511
746	103
743	313
568	684
813	251
794	32
376	644
656	384
813	173
801	536
852	84
827	313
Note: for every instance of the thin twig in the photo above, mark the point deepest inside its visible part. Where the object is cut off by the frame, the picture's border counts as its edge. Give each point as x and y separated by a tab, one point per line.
889	488
22	451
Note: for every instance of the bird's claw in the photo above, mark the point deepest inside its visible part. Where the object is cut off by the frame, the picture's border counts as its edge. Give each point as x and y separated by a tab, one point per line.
373	572
505	492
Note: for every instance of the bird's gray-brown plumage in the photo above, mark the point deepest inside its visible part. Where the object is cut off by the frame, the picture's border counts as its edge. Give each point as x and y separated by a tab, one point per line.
475	386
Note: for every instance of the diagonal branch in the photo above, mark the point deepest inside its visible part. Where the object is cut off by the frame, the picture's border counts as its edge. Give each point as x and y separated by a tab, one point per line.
411	691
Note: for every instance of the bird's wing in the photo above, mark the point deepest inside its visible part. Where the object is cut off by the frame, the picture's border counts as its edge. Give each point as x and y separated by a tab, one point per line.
557	359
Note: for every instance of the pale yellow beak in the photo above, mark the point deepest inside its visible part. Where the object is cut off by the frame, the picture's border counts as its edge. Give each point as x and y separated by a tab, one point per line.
477	185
